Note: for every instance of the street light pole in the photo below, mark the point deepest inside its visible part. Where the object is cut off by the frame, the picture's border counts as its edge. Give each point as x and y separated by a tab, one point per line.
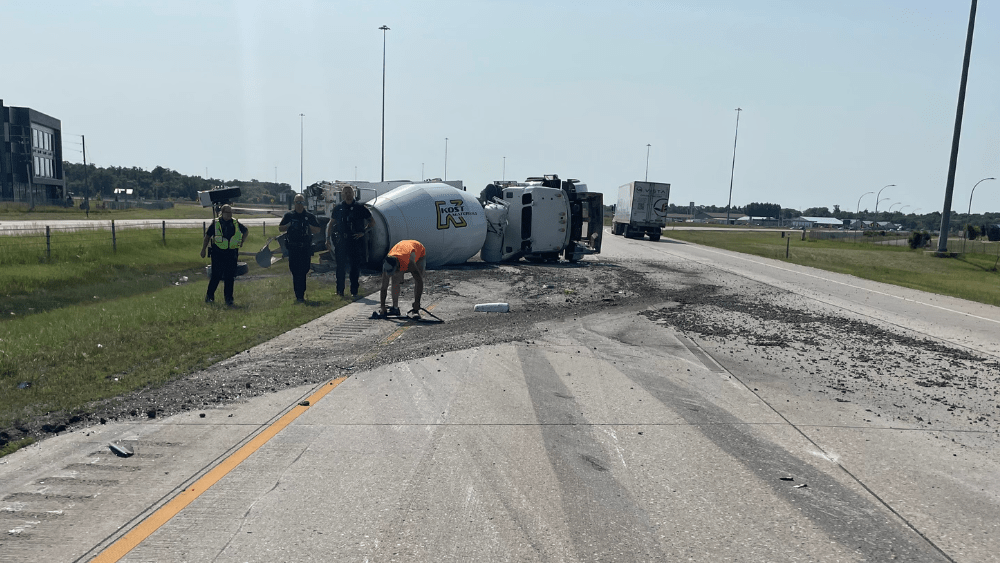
877	200
969	212
953	163
301	151
503	175
732	172
446	158
384	30
647	162
876	206
858	210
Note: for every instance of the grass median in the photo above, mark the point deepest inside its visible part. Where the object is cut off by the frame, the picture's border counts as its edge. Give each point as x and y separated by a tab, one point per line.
181	210
95	325
970	276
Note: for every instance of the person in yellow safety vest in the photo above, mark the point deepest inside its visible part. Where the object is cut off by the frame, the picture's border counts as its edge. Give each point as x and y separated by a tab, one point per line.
226	236
406	256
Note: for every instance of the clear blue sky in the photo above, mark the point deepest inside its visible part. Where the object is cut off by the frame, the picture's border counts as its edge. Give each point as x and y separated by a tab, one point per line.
839	98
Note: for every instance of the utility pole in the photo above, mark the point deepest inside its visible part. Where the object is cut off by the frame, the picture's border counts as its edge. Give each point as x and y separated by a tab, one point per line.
950	188
384	29
301	151
86	172
647	162
733	171
446	158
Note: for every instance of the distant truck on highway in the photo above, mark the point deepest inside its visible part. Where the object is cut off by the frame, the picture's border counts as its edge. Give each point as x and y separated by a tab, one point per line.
641	210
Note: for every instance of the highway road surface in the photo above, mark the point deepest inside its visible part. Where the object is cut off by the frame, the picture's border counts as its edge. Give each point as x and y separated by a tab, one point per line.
657	402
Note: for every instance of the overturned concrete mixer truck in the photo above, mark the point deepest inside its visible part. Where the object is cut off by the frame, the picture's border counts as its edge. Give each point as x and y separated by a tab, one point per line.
539	219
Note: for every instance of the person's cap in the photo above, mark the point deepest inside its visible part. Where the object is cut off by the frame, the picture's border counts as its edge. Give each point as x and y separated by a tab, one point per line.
390	264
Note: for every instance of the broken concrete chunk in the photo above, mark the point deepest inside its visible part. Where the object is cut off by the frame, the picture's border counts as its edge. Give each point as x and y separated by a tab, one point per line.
121	450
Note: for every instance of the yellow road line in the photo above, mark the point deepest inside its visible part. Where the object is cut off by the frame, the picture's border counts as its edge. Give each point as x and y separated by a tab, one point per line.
126	543
134	537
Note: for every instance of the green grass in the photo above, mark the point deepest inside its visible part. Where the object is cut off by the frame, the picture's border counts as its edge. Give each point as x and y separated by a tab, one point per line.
180	210
97	324
971	276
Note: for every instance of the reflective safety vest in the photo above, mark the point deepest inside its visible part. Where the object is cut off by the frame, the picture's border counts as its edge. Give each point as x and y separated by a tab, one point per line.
225	244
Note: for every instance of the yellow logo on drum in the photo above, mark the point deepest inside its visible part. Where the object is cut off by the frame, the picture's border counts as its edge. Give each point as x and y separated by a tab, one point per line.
450	215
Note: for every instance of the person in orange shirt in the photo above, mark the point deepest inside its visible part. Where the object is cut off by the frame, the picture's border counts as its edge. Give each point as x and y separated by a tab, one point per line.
406	256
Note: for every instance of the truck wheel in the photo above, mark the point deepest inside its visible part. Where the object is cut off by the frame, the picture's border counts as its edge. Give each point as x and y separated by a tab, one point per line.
654	236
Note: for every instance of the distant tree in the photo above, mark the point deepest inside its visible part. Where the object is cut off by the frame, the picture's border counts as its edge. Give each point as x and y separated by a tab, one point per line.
816	212
836	210
971	232
919	239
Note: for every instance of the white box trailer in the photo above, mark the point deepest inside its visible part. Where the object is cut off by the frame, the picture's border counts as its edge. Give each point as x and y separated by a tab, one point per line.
641	209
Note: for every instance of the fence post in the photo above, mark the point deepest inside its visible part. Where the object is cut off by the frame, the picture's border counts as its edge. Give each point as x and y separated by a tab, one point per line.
48	244
263	226
788	241
164	233
114	240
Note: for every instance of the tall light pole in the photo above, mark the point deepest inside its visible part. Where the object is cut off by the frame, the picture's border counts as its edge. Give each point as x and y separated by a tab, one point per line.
950	187
877	200
384	29
876	205
647	162
301	151
973	192
503	175
969	212
858	210
421	171
890	207
733	171
446	158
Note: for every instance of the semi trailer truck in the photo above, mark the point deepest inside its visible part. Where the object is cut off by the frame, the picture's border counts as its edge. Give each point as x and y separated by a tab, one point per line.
641	210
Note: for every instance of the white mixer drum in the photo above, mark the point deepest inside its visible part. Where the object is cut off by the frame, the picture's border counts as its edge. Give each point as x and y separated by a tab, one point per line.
450	223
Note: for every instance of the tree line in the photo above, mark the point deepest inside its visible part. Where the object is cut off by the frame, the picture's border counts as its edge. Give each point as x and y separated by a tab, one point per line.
159	183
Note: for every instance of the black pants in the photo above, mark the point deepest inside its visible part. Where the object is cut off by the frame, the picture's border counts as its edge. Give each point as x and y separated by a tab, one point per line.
298	263
350	254
224	269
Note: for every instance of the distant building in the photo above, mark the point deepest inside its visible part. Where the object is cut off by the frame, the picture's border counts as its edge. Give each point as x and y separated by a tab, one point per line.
758	221
811	222
31	157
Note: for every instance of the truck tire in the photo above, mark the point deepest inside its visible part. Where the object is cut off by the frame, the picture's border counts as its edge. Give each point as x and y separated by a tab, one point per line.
654	236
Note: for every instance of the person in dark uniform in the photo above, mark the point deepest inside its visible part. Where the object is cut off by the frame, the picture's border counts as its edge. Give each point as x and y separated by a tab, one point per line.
346	231
299	226
226	235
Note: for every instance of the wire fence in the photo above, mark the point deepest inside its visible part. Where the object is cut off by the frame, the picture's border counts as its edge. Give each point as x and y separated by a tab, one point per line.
37	243
956	243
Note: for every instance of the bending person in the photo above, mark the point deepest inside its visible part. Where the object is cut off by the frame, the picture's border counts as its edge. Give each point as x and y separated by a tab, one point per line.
406	256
